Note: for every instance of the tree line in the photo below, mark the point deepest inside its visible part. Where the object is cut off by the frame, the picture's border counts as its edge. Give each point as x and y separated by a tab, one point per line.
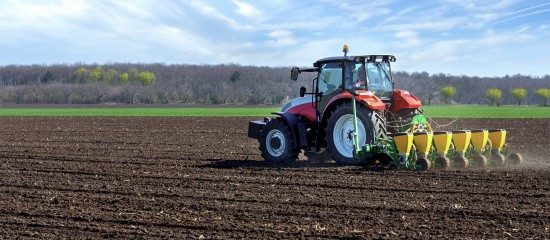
229	84
449	89
494	95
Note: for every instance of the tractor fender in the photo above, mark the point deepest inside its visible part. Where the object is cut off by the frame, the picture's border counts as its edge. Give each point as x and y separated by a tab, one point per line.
367	98
371	101
302	106
291	121
403	99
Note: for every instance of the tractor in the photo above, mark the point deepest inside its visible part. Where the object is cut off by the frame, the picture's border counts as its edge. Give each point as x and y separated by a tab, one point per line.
353	115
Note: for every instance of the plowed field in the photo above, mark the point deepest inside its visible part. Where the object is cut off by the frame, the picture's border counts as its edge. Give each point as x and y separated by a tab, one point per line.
184	177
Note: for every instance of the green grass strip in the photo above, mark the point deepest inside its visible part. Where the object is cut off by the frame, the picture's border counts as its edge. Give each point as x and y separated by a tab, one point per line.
465	111
442	111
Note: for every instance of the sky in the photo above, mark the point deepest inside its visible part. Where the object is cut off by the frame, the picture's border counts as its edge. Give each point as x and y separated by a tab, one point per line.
459	37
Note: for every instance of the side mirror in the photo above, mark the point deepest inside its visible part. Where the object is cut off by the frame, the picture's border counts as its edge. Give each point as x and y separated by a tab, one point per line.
302	91
294	73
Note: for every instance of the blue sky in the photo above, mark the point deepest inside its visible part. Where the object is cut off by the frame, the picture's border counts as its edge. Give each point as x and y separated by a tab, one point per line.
462	37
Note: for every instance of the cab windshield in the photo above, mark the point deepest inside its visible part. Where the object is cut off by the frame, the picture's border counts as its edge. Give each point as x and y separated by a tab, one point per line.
379	79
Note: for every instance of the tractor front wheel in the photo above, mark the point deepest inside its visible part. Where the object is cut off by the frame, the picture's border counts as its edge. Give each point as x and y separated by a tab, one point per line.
276	143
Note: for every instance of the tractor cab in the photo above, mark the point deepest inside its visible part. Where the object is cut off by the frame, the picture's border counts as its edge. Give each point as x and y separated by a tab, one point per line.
368	76
368	72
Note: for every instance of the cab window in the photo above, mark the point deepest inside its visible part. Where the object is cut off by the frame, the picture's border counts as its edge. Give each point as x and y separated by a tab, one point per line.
379	79
355	76
330	77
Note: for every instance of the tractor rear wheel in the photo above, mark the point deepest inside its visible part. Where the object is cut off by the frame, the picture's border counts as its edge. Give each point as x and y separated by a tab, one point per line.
379	123
339	131
276	143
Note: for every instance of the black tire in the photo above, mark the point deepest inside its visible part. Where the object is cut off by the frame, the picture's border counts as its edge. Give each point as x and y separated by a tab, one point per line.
276	143
498	160
479	161
515	159
340	145
379	123
442	163
423	164
461	162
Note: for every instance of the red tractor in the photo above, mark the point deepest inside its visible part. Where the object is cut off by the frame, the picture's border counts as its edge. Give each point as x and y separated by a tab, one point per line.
352	104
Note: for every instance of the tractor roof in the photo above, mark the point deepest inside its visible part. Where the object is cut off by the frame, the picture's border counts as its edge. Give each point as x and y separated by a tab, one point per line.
371	58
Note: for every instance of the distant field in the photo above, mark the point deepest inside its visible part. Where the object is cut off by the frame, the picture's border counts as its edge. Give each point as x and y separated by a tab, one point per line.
431	111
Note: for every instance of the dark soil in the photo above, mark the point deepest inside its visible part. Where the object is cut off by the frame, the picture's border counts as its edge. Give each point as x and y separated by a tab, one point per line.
183	177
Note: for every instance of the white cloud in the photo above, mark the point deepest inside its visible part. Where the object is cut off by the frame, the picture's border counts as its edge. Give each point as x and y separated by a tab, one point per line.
476	5
428	24
211	12
324	23
281	38
523	15
440	51
495	39
479	21
451	56
530	8
544	27
310	51
247	10
361	11
408	39
20	15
